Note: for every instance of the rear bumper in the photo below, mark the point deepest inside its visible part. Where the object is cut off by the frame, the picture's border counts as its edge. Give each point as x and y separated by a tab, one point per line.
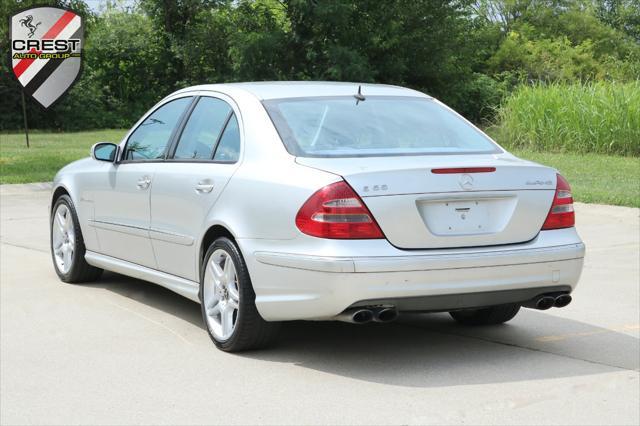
310	284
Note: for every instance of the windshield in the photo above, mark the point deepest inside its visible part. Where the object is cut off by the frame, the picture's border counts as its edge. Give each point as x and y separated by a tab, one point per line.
378	126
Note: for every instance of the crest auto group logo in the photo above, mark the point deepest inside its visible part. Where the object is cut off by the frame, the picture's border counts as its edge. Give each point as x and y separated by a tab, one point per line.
46	51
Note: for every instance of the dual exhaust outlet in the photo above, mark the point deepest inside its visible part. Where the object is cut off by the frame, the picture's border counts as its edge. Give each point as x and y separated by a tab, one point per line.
387	314
546	301
366	314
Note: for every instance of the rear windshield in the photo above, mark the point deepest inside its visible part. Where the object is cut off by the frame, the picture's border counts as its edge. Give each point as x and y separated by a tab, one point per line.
377	126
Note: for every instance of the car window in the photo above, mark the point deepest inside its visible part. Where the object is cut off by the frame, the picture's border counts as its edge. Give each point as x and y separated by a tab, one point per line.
198	140
229	146
378	126
151	139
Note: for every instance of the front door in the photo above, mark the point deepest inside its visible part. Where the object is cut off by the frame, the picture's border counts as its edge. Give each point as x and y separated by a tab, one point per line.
187	185
122	213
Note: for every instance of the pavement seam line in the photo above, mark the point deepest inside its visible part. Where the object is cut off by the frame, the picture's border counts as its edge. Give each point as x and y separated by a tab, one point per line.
604	364
24	247
175	333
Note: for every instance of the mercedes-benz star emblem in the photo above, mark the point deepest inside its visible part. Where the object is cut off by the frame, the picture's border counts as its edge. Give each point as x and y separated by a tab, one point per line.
466	182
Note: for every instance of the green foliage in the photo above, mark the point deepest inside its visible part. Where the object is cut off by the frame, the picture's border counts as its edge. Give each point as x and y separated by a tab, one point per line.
623	15
565	44
597	117
122	67
547	60
258	46
470	54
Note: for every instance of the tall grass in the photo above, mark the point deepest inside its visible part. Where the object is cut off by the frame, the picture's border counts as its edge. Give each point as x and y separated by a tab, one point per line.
601	117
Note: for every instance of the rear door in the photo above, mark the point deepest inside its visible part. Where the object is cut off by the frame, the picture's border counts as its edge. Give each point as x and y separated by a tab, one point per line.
188	184
446	201
122	212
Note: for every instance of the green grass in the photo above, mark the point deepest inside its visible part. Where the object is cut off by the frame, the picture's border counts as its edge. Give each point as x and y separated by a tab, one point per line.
601	117
595	178
49	152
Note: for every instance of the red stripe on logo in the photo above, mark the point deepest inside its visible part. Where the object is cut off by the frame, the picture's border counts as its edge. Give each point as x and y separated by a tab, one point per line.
59	25
62	22
23	64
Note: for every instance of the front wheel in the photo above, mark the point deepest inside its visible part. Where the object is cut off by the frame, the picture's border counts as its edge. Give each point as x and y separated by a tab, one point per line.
67	244
228	301
486	316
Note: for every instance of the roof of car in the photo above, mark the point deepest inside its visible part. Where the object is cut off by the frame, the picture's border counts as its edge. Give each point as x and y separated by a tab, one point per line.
265	90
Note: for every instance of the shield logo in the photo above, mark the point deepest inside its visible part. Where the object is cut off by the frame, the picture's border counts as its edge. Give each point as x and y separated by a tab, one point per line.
46	51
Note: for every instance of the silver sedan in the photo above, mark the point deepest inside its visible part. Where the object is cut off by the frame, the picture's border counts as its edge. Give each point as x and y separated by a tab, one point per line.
269	202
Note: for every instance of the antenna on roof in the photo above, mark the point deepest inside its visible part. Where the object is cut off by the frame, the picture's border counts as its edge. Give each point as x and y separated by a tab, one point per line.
359	96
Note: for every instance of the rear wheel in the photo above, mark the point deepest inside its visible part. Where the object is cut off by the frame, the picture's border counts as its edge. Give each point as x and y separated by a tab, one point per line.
486	316
67	245
228	301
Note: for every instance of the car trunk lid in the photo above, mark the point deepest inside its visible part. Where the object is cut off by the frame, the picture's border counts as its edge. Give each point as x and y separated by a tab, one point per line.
442	201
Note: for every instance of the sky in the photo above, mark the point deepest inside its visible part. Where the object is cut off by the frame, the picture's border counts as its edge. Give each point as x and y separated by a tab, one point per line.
96	5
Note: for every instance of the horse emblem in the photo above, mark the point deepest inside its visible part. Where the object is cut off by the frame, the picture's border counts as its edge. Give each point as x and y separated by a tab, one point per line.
27	21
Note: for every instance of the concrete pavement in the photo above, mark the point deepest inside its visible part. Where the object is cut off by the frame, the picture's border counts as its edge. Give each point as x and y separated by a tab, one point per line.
122	351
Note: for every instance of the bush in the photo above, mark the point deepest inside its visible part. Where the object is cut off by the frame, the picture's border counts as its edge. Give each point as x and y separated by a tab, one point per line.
601	117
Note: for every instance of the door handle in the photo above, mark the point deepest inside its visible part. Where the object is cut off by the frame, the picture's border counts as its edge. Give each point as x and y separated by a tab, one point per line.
144	182
204	187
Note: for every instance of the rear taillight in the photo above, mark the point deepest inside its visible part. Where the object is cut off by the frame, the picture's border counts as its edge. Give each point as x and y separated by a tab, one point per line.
336	211
561	214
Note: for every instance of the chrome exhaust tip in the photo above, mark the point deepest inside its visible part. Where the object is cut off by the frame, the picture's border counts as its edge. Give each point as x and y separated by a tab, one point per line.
356	316
545	303
385	315
562	300
542	303
362	316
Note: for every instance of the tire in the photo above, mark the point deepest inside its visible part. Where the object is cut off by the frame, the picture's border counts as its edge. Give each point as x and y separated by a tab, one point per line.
486	316
78	270
248	329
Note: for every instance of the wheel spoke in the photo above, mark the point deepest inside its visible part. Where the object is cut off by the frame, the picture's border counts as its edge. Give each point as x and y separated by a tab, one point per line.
233	293
214	308
209	297
60	221
233	304
229	271
66	256
68	225
227	320
216	272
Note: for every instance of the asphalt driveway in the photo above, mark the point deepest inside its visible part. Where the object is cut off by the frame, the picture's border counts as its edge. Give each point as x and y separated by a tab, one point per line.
122	351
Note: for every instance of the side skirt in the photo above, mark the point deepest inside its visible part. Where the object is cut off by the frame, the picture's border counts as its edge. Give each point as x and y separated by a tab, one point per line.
186	288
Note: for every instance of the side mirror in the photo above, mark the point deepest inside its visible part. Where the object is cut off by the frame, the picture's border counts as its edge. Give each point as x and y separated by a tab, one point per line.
104	151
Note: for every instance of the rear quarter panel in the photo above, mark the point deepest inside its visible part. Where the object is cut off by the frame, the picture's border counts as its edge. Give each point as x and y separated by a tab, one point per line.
263	196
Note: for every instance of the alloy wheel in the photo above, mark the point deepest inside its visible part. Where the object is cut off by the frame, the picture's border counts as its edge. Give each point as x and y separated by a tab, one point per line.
63	238
221	296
